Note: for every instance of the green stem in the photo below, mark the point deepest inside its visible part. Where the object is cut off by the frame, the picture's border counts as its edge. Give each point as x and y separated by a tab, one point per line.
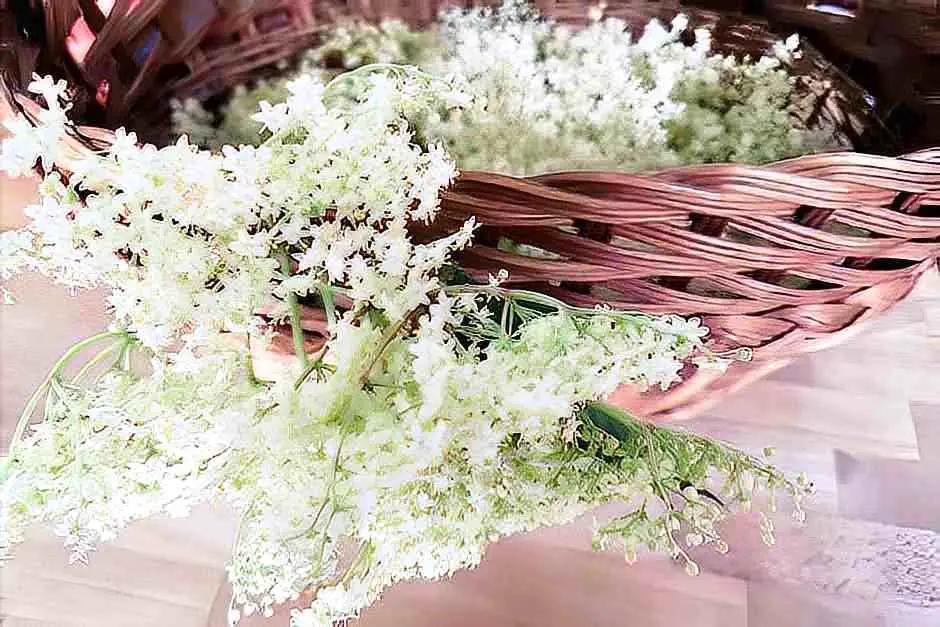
326	295
91	363
613	421
238	536
327	497
296	330
365	551
505	317
622	425
394	68
391	332
315	362
250	364
526	296
57	369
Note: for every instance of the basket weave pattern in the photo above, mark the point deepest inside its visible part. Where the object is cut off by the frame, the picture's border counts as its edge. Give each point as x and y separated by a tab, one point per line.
784	258
893	46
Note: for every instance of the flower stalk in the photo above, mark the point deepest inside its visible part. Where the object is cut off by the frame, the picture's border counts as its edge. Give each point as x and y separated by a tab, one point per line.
23	422
293	305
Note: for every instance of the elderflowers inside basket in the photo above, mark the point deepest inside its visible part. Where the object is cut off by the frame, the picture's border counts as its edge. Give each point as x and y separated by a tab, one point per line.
436	416
609	94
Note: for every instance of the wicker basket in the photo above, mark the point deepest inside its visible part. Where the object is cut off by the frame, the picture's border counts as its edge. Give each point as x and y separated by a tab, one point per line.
131	55
892	47
785	258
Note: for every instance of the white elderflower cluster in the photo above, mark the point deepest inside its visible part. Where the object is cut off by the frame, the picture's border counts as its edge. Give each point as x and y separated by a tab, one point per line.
550	98
347	45
352	43
189	219
123	448
436	418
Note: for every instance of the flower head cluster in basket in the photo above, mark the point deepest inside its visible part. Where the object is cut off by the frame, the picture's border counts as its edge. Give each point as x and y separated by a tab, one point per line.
549	97
437	417
346	46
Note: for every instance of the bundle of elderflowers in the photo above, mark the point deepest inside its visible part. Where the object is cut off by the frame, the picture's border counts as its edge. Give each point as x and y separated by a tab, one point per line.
347	45
437	416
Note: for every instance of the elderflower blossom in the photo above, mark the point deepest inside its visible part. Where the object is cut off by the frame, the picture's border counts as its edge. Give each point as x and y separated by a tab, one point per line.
347	45
352	43
29	142
435	419
549	97
191	218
